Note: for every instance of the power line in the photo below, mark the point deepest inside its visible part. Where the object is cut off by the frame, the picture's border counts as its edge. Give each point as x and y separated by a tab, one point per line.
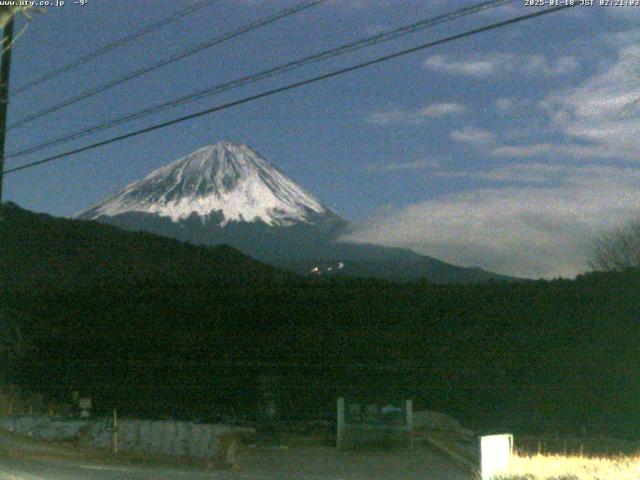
292	86
168	60
117	43
325	55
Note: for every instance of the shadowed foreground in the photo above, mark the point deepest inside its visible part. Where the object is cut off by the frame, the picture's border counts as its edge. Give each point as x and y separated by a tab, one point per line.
25	459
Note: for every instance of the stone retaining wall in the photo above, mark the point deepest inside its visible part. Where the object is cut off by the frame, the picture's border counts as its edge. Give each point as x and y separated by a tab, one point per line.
157	436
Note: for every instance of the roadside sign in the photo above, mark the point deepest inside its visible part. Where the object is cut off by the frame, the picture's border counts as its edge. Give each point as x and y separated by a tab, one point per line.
495	452
362	422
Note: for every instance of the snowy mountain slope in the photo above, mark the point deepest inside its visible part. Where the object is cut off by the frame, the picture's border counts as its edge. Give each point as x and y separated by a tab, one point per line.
231	180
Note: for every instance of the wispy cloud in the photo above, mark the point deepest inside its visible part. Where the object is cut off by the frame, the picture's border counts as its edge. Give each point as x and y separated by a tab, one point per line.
377	28
531	231
555	151
480	68
422	164
473	136
629	14
491	65
604	111
598	119
441	109
416	117
506	105
521	173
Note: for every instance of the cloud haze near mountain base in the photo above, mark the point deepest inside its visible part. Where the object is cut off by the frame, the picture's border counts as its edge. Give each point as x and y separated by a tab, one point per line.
532	231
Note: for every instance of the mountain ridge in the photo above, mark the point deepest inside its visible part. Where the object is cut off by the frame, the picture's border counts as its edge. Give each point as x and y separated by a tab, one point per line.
228	193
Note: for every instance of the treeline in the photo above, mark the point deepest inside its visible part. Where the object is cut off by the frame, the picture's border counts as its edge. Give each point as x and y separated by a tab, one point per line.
163	328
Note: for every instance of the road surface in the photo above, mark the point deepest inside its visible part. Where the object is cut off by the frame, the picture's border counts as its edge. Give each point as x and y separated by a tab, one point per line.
24	459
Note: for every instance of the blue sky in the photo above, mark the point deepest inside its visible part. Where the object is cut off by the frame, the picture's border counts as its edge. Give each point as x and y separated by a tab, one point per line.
508	150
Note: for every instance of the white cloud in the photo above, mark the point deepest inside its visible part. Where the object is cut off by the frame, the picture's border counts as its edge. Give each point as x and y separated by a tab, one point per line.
479	68
441	109
377	28
531	173
423	164
493	64
565	66
515	106
531	231
604	110
622	38
524	151
627	13
417	117
539	64
554	151
599	118
393	117
505	105
473	136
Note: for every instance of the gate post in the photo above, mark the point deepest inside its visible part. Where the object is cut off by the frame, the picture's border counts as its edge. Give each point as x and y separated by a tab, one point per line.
340	425
409	410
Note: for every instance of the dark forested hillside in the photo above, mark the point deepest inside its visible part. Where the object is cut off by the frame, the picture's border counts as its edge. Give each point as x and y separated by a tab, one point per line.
160	327
41	250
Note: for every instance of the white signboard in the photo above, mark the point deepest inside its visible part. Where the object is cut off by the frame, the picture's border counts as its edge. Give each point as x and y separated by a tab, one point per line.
495	451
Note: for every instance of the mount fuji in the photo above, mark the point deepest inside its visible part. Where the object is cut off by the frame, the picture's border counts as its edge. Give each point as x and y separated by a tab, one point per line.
228	194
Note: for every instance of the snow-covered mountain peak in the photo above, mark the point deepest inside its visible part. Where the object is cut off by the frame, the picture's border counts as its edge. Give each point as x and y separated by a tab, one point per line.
225	178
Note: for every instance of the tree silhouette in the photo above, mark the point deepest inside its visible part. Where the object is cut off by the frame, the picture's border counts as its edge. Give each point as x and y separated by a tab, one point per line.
617	249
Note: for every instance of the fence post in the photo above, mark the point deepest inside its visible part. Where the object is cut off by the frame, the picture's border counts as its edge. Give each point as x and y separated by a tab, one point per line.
340	426
409	410
114	438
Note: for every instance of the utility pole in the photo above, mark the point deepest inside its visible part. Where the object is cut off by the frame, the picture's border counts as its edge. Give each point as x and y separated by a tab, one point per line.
5	66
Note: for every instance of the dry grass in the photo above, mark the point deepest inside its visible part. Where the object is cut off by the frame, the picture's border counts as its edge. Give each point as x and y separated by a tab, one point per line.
559	467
